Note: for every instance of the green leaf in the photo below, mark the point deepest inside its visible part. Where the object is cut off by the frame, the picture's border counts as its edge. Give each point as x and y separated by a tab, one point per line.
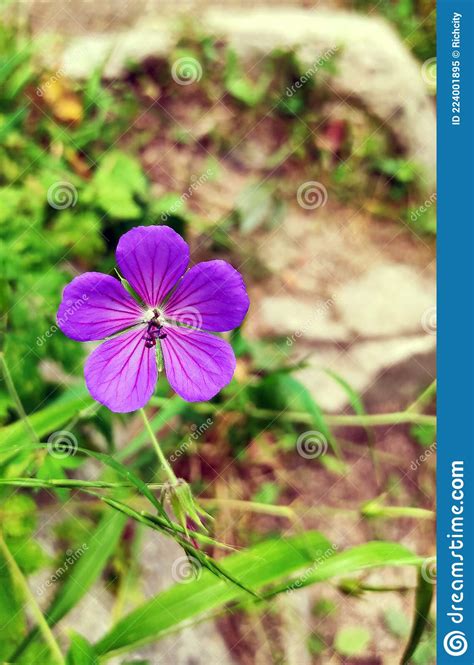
87	569
424	596
352	641
12	617
89	566
178	533
268	493
81	652
240	86
273	561
354	398
367	555
425	435
264	563
118	182
49	419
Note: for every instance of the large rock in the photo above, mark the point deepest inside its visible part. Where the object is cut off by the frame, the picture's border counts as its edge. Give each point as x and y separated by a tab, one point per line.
387	300
374	68
373	65
365	364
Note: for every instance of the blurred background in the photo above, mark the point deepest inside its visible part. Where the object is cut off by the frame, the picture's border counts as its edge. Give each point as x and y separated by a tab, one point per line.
297	141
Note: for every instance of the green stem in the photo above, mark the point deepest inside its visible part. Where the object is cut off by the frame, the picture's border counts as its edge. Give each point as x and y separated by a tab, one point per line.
70	483
384	589
20	581
365	420
162	459
396	418
16	399
407	511
251	506
425	397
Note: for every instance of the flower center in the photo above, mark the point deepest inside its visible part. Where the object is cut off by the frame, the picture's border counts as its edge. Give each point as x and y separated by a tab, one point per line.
154	329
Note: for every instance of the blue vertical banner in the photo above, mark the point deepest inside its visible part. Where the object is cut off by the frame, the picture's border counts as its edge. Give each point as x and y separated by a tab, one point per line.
455	468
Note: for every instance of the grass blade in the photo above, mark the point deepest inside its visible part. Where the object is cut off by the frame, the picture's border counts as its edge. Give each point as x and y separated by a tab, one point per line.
424	596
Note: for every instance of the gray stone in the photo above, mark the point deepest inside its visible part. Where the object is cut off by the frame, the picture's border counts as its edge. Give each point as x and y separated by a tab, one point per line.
117	50
361	366
374	67
387	300
301	320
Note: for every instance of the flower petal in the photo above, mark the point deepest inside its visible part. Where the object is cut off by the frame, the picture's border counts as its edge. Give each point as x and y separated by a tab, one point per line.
210	296
121	373
197	365
152	259
95	306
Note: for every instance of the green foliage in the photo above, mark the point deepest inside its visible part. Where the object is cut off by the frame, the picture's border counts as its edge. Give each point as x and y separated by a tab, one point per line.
81	652
352	641
414	19
12	614
269	562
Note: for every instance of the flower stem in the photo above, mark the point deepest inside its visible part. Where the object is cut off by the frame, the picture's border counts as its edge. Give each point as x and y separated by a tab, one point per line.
19	580
161	458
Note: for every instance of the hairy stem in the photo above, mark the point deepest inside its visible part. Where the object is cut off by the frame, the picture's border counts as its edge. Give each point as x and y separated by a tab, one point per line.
159	453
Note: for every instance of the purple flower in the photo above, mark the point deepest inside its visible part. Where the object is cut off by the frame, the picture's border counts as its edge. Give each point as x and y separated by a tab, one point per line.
180	309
